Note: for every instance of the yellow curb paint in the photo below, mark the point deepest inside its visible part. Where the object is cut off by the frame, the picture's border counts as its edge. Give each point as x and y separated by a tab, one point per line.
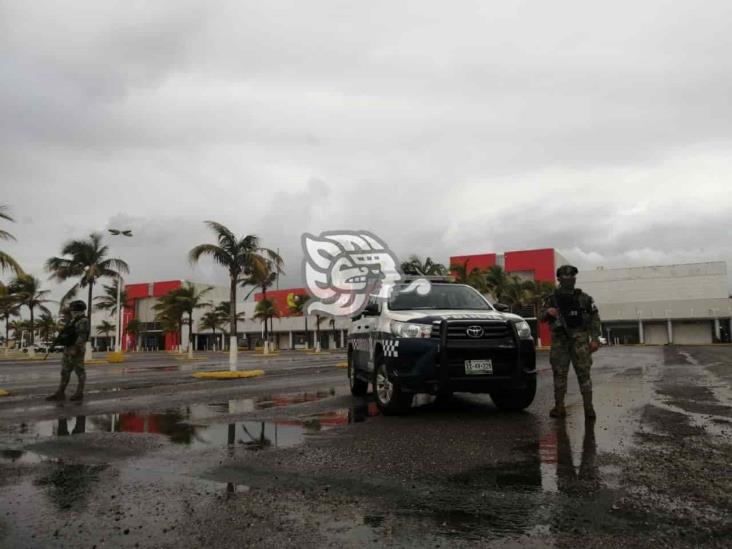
226	374
3	393
265	356
95	361
115	357
342	365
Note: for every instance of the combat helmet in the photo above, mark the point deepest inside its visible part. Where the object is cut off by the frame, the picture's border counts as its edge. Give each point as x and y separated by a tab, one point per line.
77	305
567	270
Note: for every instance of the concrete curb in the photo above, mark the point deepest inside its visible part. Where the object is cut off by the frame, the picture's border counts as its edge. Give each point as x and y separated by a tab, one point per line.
227	374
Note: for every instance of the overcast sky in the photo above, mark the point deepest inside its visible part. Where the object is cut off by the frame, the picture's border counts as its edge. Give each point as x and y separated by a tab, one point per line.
601	129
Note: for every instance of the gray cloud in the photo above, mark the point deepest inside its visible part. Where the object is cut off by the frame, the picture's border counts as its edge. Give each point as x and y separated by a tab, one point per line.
603	131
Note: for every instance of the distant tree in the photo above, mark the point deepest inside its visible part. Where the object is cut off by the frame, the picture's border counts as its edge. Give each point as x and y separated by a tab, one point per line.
108	300
6	261
105	328
29	292
296	306
264	310
47	326
263	275
211	320
87	260
473	277
497	282
415	266
238	256
9	307
134	328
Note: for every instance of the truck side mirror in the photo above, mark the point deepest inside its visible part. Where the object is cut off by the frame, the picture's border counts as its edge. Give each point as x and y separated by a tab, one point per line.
372	309
501	307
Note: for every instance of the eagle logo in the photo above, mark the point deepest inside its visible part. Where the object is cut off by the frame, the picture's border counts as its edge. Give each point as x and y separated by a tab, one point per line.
344	269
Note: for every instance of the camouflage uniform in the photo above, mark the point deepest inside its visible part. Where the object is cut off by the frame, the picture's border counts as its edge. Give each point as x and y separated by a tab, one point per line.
73	360
571	343
73	356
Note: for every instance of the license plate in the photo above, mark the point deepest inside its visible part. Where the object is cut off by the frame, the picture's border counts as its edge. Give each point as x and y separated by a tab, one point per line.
473	367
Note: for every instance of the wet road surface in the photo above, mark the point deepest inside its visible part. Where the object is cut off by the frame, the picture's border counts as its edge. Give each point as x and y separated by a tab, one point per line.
154	458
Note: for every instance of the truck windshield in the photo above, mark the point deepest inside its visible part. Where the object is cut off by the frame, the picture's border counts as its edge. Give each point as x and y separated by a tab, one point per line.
441	296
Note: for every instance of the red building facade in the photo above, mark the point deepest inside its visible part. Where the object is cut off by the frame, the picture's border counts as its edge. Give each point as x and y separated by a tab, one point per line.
137	293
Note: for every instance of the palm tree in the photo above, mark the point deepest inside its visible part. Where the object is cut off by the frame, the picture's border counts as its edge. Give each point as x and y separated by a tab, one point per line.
212	320
538	291
9	307
296	305
265	310
189	298
415	266
47	327
516	293
238	256
318	320
7	262
473	277
223	310
497	282
19	326
134	327
88	260
169	313
263	275
108	301
105	328
28	290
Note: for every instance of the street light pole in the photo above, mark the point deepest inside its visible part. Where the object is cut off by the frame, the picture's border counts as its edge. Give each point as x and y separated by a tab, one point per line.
118	338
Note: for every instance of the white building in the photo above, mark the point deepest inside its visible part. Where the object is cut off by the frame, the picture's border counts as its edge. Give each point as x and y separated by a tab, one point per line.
682	304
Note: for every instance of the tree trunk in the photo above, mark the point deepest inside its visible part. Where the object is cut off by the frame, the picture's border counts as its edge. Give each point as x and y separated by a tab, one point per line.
307	334
32	327
232	306
89	304
190	330
264	298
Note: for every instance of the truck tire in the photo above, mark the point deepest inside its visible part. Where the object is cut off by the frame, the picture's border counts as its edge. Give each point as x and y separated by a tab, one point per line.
389	397
515	399
359	387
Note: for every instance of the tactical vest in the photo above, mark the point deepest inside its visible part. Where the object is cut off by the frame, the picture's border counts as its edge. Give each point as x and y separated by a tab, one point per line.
574	314
68	334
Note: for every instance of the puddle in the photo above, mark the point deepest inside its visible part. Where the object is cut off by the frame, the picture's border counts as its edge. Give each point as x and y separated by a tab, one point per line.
186	425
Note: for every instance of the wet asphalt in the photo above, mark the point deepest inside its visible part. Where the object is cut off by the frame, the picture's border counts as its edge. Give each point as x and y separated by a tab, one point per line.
156	458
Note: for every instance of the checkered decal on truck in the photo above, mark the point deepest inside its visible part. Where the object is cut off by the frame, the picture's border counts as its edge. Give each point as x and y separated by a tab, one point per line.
391	348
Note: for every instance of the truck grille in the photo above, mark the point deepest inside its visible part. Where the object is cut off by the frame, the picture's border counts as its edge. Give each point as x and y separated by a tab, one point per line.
457	330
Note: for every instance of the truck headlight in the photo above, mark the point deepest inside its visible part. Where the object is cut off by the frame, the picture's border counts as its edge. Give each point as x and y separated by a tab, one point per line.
407	329
523	329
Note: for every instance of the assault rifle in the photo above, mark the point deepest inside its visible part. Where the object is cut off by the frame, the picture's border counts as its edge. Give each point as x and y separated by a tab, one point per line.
65	337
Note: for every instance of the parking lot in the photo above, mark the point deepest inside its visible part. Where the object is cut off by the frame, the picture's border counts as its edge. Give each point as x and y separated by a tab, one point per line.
156	458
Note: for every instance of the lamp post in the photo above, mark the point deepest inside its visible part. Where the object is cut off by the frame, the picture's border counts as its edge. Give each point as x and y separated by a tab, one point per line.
118	335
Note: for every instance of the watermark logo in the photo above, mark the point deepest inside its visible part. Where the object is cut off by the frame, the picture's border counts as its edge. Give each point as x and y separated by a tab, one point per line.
345	269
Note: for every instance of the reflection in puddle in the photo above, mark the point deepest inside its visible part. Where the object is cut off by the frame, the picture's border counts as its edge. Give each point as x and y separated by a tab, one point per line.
558	470
183	425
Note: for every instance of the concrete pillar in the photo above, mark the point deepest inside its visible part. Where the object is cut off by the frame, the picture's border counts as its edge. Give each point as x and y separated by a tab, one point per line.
640	331
344	335
717	329
670	330
292	342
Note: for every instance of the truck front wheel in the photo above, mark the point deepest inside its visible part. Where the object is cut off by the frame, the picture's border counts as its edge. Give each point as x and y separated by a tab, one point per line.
515	399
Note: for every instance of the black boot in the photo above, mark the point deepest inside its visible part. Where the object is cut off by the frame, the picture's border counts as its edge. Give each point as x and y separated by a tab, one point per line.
558	411
589	409
59	395
79	394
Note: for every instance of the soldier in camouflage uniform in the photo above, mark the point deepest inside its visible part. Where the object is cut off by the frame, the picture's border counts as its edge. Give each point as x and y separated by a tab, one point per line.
73	337
576	329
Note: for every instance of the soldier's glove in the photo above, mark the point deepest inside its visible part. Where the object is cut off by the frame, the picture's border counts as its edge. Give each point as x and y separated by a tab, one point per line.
594	345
